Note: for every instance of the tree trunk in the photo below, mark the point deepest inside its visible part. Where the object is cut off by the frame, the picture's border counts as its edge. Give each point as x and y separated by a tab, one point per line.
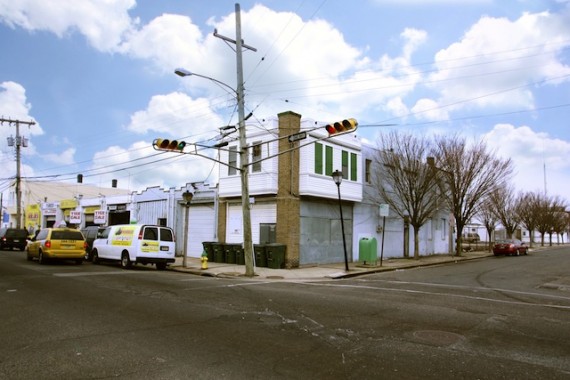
416	243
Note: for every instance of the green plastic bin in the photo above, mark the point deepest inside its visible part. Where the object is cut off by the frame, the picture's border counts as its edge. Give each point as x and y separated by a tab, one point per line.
209	249
276	255
230	253
240	258
260	255
219	252
368	251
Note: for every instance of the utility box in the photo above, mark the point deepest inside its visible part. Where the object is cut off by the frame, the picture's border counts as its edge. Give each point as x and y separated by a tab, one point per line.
368	251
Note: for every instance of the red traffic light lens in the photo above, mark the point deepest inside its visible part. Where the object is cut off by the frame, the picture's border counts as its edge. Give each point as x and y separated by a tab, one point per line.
330	129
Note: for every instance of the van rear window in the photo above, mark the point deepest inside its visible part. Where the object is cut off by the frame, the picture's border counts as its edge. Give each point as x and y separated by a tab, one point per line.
66	235
166	234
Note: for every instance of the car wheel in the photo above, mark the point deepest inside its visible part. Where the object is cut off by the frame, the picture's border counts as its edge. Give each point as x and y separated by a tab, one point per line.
526	251
41	258
28	256
161	266
94	257
125	261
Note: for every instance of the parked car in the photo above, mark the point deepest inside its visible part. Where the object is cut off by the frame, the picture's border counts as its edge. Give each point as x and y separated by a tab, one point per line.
510	247
131	244
11	238
57	244
90	234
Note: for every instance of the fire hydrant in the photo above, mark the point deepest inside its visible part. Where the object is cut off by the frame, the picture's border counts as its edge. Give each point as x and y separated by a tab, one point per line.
204	260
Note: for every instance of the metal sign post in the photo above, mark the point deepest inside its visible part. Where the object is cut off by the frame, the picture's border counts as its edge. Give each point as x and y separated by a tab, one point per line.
384	210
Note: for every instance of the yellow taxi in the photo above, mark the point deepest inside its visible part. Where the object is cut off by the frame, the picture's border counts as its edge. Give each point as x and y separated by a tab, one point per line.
57	244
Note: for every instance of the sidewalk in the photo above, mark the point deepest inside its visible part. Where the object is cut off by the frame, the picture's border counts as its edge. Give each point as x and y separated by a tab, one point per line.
325	271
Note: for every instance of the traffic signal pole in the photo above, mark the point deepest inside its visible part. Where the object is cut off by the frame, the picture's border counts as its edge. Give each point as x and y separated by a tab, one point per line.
244	156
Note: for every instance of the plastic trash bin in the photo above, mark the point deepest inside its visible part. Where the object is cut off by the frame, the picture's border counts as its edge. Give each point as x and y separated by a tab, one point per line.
209	249
260	255
240	258
275	255
219	252
368	251
230	253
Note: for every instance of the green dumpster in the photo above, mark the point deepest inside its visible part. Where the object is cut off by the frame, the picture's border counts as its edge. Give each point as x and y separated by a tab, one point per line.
219	252
230	253
275	255
209	249
260	255
240	258
368	251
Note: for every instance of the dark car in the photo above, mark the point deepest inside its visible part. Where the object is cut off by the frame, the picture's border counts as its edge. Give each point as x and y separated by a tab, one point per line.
11	238
510	247
90	233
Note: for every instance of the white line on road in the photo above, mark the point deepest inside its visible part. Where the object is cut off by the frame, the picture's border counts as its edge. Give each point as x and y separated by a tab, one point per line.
82	274
445	295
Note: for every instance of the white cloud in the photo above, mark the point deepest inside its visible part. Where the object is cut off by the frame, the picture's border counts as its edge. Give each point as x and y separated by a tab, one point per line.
166	169
498	61
103	23
533	154
62	158
429	109
177	115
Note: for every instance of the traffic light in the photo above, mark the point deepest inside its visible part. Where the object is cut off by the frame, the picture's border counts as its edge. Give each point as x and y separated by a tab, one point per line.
170	145
341	127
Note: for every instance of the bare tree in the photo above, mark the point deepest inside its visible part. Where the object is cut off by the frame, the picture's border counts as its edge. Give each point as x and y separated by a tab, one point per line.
470	174
409	185
527	209
489	219
548	209
504	206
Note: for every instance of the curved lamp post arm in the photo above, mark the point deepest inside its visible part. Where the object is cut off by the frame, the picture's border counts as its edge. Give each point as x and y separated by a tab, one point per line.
181	72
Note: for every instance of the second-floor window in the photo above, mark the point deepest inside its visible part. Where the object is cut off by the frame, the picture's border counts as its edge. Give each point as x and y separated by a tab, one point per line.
349	166
232	160
255	156
323	159
367	171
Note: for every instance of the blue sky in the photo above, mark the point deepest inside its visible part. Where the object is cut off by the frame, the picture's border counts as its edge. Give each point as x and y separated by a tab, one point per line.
97	78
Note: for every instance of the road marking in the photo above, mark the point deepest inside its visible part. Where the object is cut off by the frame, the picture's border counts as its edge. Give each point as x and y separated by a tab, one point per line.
445	295
85	274
477	288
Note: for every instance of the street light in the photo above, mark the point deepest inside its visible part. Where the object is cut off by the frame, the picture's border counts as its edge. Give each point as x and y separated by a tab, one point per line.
187	196
181	72
244	159
337	178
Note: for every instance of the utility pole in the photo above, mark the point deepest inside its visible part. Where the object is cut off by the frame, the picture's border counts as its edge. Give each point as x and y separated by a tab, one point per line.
19	142
244	157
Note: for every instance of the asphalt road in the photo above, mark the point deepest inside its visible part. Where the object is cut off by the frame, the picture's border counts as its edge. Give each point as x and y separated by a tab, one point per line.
495	318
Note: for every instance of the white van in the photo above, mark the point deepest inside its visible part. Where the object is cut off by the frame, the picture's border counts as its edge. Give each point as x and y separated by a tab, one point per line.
131	244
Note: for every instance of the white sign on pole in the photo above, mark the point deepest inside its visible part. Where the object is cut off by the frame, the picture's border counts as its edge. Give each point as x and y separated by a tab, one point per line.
75	217
100	217
384	209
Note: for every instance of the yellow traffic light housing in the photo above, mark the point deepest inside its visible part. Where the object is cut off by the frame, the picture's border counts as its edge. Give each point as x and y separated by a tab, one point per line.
341	127
169	145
